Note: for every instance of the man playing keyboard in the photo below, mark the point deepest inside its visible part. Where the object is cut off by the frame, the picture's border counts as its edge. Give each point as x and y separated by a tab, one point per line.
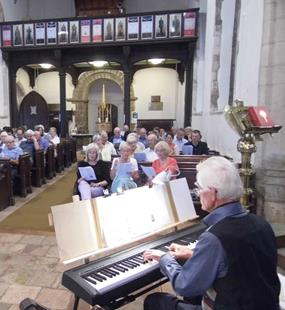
233	265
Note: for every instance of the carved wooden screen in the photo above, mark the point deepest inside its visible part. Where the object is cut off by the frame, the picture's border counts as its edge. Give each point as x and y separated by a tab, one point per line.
34	111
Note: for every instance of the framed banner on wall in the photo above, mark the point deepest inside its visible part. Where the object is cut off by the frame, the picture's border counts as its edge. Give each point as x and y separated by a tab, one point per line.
40	33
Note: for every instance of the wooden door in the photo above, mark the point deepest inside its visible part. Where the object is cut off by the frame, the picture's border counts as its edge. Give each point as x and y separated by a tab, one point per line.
34	111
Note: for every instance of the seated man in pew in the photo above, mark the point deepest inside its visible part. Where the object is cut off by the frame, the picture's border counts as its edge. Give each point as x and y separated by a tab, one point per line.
12	152
233	264
199	147
42	141
117	138
3	136
30	145
149	151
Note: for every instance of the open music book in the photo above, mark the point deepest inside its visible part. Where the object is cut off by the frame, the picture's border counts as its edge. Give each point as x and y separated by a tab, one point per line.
84	227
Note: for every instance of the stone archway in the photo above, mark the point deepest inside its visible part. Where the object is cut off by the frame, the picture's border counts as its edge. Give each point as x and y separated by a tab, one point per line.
81	92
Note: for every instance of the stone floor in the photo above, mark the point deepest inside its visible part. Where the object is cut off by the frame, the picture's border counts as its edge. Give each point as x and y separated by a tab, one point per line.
30	267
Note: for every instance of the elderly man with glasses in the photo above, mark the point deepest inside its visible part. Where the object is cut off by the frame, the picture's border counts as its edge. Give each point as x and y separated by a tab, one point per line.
233	265
12	153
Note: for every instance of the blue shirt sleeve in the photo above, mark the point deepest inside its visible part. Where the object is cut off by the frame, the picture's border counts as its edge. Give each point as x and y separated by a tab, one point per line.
200	271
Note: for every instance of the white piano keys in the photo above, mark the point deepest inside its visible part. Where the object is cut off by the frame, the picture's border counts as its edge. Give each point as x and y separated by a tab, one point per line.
123	277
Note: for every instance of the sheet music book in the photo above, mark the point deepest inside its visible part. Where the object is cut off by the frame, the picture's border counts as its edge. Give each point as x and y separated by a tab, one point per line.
75	229
187	149
87	173
140	156
149	171
124	170
86	227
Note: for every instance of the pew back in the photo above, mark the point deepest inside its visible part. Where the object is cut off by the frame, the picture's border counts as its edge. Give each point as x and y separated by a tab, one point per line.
6	185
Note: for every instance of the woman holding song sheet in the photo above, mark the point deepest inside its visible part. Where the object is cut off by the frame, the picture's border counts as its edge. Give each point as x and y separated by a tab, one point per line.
92	175
164	163
124	170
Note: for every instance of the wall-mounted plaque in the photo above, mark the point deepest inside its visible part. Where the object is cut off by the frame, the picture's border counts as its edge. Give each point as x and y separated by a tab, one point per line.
85	31
7	35
189	24
161	26
29	34
97	30
51	33
120	28
146	27
74	31
133	28
108	29
175	25
40	33
62	33
17	35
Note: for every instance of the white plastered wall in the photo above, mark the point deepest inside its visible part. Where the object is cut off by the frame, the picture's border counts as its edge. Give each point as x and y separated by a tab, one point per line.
161	82
47	84
215	130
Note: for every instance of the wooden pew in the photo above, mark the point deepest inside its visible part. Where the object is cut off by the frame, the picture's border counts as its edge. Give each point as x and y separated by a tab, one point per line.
38	169
6	185
59	166
22	185
50	163
190	158
73	150
66	152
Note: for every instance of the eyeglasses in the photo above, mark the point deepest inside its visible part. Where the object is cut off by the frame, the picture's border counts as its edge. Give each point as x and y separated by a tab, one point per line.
197	189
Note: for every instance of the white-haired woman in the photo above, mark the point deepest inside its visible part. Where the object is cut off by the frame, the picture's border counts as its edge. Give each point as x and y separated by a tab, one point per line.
124	180
93	188
134	144
164	162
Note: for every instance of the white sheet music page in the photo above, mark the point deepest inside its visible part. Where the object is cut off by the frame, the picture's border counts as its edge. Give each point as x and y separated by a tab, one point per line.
75	229
134	213
182	199
87	173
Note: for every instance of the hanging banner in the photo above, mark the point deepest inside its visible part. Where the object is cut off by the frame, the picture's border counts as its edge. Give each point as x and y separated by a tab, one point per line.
133	28
40	33
147	27
85	31
97	30
189	24
51	33
7	35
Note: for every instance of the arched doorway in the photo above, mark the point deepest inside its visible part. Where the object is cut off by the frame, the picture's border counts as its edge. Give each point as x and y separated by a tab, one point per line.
113	96
82	90
33	111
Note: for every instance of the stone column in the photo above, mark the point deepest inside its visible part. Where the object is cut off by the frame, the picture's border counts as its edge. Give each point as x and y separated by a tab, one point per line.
270	156
62	100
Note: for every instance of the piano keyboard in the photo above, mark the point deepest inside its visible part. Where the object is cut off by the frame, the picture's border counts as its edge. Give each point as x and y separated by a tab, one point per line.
119	274
104	281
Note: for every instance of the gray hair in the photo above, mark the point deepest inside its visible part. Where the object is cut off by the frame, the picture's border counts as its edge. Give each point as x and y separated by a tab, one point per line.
96	137
29	132
91	148
124	145
221	174
132	137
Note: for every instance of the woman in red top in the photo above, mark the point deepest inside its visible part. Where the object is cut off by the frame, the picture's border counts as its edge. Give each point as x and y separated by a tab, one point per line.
164	163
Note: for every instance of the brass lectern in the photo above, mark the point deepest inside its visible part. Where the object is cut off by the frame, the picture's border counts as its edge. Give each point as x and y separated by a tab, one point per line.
238	118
